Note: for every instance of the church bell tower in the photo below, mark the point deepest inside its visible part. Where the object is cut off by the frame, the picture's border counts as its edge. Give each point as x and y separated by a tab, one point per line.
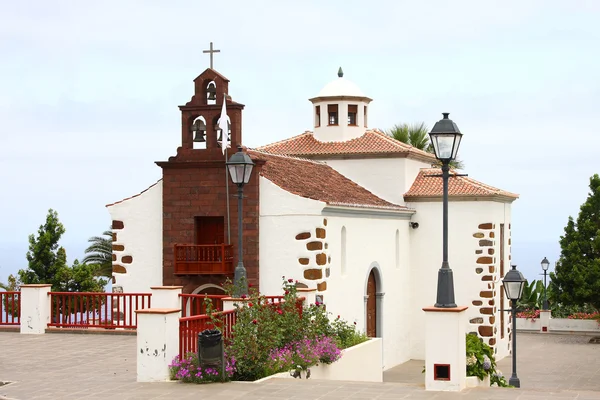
201	136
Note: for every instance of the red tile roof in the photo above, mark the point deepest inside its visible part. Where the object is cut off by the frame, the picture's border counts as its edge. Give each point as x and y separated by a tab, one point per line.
372	142
318	181
427	186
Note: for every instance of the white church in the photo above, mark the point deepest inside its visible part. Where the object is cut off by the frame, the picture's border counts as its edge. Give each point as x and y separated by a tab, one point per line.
342	208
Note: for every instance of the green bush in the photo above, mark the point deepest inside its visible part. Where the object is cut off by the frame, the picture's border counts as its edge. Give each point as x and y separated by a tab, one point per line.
267	337
481	361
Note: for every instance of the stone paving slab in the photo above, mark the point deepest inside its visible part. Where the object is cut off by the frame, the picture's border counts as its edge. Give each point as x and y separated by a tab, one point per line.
69	366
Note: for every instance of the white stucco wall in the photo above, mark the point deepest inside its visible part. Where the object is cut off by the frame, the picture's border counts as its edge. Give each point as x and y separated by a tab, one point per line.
342	131
370	241
387	178
141	237
426	257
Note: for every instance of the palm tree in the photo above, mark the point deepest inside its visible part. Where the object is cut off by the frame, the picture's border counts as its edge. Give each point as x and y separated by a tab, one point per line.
417	136
99	253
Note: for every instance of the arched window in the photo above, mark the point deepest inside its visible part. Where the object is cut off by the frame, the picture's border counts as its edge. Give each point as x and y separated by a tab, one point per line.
397	248
343	258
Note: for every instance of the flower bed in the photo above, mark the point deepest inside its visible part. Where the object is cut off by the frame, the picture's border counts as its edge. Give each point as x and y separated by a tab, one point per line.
268	338
360	363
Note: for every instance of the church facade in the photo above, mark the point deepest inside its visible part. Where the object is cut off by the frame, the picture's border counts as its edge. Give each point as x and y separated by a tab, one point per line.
343	209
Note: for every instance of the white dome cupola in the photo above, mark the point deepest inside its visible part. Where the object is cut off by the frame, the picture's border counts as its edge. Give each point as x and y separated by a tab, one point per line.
340	111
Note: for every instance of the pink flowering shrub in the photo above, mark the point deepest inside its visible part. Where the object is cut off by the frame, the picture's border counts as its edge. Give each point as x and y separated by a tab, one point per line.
581	315
188	370
529	314
269	338
303	354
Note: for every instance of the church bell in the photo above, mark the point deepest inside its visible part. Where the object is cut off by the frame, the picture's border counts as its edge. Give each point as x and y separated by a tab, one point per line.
212	92
199	131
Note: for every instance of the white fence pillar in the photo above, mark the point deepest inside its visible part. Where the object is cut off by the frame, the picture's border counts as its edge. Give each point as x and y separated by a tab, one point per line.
310	295
230	302
157	342
166	296
544	320
445	348
35	308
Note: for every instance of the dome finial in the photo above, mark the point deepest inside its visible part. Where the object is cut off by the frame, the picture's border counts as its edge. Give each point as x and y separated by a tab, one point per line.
340	73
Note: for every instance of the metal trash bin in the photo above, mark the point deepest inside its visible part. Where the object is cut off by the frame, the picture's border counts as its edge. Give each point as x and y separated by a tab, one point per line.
210	347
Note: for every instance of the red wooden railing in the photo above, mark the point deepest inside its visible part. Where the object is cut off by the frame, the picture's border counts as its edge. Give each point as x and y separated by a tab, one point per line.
96	310
194	304
10	308
190	327
197	259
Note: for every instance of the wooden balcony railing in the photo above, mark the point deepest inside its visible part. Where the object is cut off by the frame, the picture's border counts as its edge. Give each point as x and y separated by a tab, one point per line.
198	259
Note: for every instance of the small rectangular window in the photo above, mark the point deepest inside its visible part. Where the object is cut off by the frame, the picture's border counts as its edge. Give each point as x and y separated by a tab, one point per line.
365	116
318	116
332	109
352	110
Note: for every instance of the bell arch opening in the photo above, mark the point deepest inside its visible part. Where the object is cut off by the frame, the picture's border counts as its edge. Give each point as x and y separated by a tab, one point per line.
198	128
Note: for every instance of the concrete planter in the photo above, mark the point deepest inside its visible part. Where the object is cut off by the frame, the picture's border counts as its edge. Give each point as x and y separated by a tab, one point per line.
473	381
360	363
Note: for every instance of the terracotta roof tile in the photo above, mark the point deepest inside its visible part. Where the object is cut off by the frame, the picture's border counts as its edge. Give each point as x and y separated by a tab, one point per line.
372	142
318	181
426	185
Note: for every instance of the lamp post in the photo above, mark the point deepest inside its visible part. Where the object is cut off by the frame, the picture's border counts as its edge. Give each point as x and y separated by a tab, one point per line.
445	139
513	286
545	264
240	168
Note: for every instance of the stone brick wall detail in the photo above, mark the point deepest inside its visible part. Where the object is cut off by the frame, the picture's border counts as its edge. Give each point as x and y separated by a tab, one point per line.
484	267
120	255
315	259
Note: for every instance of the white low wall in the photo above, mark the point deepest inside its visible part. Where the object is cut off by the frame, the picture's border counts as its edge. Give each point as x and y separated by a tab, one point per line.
527	324
559	325
473	381
360	363
577	325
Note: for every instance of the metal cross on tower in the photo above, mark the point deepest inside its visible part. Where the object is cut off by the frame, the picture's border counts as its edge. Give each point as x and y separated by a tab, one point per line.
211	52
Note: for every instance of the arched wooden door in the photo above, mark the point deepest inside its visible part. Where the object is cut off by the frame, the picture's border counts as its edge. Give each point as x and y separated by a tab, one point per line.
371	306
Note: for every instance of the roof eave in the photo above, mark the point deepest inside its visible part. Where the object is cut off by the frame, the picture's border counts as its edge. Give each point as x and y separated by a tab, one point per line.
501	198
367	211
364	99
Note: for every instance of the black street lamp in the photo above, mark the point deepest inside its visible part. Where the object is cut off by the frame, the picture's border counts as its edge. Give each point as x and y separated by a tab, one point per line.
545	265
445	139
240	168
513	286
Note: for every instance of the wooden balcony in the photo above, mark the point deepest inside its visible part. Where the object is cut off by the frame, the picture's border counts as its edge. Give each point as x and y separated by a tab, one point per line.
203	259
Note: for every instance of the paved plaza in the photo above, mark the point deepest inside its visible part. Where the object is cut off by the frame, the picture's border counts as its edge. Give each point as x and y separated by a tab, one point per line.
84	366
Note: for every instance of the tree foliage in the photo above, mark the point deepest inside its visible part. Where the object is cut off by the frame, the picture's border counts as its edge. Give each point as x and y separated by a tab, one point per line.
417	135
576	280
47	262
99	254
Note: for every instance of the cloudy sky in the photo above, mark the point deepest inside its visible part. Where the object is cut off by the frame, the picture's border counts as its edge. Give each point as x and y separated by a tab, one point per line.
89	94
